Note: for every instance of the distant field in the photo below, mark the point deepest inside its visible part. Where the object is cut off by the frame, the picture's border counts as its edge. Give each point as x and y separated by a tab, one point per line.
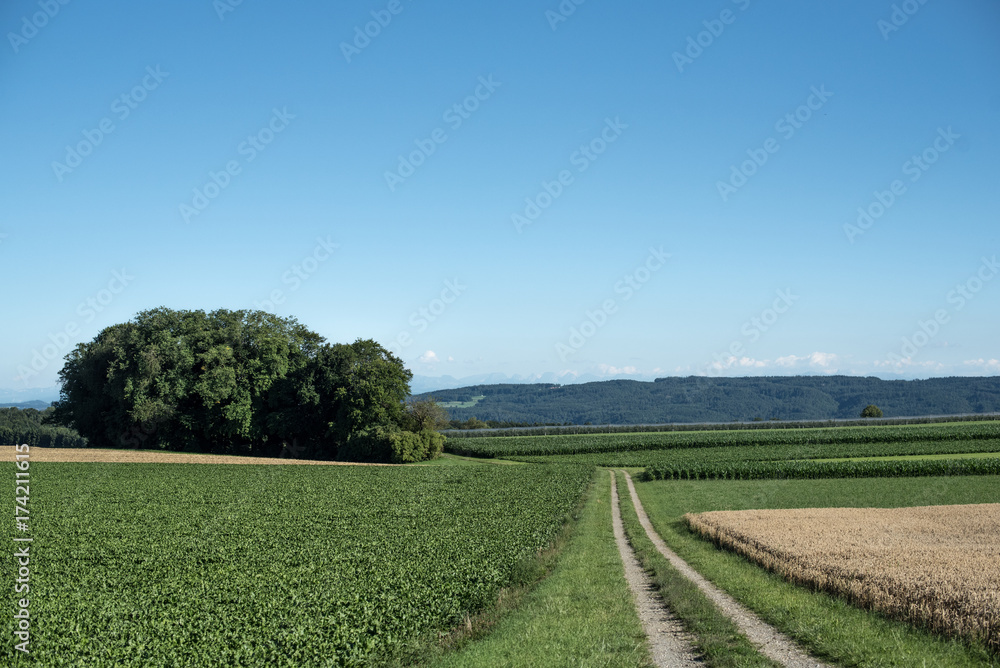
462	404
903	458
805	440
701	457
934	566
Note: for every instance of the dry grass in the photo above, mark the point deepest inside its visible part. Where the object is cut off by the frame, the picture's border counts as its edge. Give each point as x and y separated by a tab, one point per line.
934	566
152	457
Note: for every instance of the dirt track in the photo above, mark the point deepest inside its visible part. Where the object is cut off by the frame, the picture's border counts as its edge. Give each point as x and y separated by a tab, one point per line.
769	641
670	646
152	457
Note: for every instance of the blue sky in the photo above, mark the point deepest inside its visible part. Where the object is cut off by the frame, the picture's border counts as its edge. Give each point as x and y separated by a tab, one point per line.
627	188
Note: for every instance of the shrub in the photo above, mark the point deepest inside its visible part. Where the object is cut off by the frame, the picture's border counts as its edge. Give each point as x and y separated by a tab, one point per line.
385	444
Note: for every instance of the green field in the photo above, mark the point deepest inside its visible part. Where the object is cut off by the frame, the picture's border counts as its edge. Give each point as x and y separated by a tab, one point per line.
462	404
710	456
464	560
210	565
806	440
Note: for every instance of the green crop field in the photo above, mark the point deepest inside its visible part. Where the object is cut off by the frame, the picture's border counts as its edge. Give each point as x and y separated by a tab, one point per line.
465	560
571	444
717	455
211	565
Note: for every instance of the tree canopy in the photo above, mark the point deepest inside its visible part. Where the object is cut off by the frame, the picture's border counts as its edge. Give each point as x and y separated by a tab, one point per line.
235	382
871	411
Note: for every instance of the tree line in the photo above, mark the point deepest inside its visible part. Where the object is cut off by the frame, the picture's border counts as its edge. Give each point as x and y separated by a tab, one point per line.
242	383
27	425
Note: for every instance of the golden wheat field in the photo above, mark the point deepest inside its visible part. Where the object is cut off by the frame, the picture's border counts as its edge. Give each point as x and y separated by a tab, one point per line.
935	566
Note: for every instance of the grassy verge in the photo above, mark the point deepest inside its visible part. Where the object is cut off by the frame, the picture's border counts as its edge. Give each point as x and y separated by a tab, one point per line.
827	625
581	615
717	638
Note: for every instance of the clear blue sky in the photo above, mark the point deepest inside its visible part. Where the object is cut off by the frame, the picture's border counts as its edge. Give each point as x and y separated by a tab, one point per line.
114	116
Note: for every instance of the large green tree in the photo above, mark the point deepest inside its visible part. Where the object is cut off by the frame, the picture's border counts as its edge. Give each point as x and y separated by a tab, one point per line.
237	382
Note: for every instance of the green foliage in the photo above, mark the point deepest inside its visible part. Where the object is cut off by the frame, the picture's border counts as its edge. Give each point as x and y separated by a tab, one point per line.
232	382
871	411
396	446
272	566
30	426
418	446
425	414
471	423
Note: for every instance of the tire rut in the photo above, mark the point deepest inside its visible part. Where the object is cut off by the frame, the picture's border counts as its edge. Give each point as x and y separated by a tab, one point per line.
670	646
769	641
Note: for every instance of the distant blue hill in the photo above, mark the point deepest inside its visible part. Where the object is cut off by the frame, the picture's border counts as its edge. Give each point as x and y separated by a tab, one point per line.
36	404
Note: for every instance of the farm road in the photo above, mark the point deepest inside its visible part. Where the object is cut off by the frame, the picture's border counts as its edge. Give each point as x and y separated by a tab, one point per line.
769	641
669	645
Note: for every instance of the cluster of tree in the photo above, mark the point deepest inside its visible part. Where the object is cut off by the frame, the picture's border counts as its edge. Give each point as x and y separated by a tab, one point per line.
28	425
704	399
241	382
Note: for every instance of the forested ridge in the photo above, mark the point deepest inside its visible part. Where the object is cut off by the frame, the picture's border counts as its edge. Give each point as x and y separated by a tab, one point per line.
703	399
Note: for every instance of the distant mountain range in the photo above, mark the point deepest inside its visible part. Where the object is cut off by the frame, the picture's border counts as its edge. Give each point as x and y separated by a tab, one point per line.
46	394
37	405
704	399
